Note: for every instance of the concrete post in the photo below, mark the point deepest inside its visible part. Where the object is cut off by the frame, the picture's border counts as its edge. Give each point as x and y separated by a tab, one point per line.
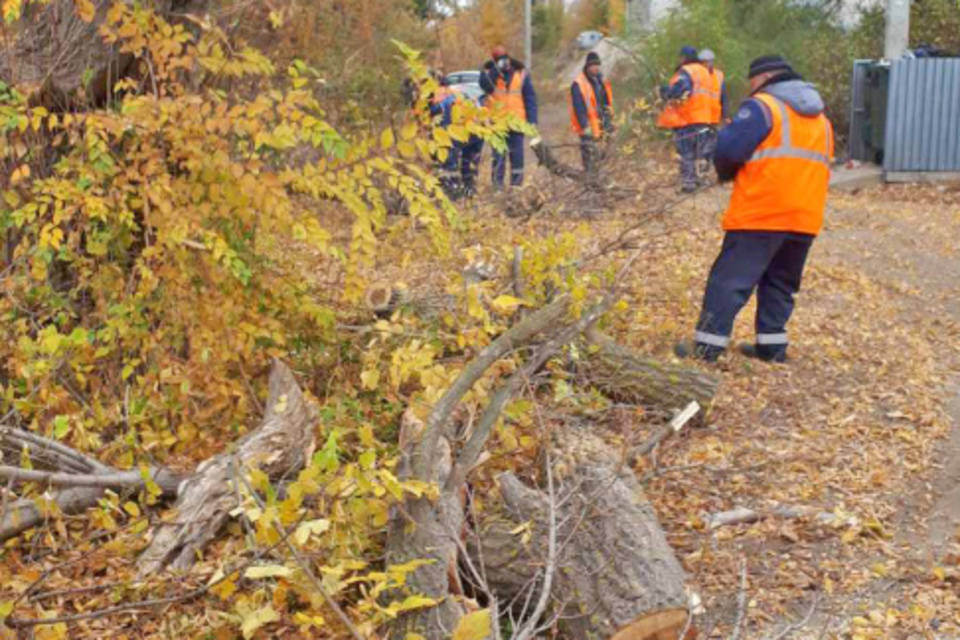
528	34
897	32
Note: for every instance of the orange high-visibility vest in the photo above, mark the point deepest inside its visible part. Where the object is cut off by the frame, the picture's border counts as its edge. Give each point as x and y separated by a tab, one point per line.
714	89
696	108
510	99
783	186
593	112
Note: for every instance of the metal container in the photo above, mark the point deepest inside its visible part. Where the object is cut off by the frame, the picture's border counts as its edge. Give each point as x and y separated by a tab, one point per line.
923	116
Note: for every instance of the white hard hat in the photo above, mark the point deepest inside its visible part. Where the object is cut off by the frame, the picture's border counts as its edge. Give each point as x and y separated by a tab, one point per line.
706	55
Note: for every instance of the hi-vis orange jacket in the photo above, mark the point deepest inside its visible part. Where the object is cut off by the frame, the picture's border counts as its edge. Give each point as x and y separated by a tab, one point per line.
510	99
697	108
783	186
593	112
714	88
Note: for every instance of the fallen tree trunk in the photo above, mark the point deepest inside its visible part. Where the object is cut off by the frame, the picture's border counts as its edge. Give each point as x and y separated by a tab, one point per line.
615	575
625	376
279	447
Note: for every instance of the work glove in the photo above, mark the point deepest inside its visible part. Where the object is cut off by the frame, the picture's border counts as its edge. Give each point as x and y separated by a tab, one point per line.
663	91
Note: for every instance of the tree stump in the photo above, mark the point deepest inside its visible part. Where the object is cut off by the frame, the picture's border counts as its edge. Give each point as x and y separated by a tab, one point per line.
616	576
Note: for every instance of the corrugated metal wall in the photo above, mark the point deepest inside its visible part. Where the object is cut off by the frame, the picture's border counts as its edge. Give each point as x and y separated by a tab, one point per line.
923	116
856	143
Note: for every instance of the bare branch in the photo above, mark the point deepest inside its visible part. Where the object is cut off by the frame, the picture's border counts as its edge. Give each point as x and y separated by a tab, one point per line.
741	601
165	479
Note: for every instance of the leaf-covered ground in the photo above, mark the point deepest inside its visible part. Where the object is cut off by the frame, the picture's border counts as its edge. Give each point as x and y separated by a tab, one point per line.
853	425
856	425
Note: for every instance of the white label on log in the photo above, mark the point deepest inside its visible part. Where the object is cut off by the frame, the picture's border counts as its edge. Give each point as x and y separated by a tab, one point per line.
684	416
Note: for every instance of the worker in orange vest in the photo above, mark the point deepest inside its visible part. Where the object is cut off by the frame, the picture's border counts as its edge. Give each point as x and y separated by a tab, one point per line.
688	112
717	89
591	110
778	152
509	88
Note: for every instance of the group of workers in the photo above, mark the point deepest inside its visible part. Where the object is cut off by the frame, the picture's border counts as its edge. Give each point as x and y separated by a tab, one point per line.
777	150
696	105
508	88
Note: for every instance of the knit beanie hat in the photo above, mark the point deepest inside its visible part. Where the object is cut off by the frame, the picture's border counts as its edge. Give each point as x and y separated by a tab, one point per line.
764	64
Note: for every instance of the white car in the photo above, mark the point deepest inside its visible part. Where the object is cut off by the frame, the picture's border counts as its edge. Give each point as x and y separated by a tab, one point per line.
589	39
466	82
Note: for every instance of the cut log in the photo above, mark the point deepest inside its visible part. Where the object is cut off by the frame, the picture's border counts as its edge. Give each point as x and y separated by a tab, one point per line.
625	376
615	576
279	447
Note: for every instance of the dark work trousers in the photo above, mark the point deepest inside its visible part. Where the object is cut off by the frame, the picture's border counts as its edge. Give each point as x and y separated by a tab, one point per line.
449	170
687	141
515	149
470	163
772	263
708	143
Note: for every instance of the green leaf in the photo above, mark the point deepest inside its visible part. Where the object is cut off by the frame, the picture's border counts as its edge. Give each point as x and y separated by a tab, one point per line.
61	424
367	459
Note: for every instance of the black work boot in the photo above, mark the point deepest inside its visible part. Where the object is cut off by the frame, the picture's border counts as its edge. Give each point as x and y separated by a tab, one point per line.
697	351
764	353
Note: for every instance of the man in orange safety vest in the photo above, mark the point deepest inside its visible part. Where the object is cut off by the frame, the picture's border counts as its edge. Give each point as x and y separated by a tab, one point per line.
688	112
507	83
778	151
591	110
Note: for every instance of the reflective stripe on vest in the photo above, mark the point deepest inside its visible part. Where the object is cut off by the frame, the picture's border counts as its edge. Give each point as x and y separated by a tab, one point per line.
786	148
697	107
784	184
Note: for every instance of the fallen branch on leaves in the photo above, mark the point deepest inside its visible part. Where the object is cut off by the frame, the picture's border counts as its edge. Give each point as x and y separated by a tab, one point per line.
81	480
278	447
149	603
744	515
675	425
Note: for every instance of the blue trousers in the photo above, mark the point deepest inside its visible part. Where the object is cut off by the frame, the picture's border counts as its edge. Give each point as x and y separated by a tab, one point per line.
515	149
770	262
686	140
470	161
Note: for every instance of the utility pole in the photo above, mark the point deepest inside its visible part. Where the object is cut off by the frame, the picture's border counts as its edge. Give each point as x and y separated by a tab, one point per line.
897	31
528	34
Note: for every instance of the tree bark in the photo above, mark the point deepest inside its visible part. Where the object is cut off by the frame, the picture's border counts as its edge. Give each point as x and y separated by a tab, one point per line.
53	52
626	376
83	481
279	447
615	575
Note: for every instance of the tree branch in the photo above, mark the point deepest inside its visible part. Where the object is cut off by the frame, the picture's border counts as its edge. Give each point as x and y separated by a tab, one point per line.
517	335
